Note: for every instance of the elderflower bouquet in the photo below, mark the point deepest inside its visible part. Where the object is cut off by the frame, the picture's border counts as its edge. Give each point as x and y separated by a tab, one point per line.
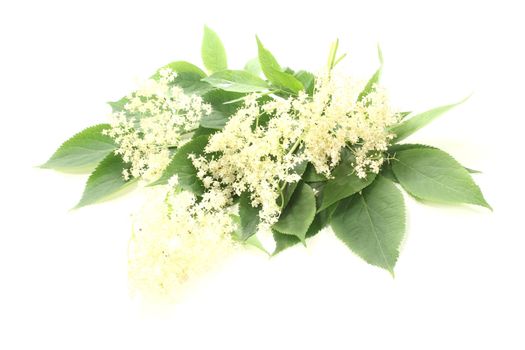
227	156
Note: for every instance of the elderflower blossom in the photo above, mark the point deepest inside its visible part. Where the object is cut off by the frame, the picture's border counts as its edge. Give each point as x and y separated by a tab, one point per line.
156	117
176	240
335	118
246	156
254	158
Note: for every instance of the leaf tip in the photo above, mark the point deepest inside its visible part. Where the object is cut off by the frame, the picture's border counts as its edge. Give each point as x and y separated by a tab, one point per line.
303	241
77	206
488	206
392	273
259	43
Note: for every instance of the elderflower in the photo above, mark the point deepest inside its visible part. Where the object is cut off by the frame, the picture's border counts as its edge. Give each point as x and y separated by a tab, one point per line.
335	118
174	241
156	118
251	157
261	159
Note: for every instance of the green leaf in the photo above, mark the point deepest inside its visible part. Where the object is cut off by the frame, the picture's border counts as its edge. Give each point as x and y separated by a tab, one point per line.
369	87
273	71
387	168
182	166
250	241
308	81
181	67
431	174
82	152
310	175
386	171
215	120
404	146
372	224
221	110
249	216
472	171
221	100
290	188
212	51
253	66
202	131
298	214
321	220
105	182
344	183
192	83
411	125
237	81
283	241
403	115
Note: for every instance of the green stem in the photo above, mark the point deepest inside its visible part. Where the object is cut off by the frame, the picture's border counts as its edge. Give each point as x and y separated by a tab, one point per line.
281	188
332	54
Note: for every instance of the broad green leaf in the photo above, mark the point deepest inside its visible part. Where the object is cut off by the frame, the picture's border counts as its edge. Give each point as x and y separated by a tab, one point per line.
222	100
310	175
202	131
249	217
273	71
192	83
182	166
298	214
212	51
431	174
181	67
237	81
308	81
369	87
221	110
105	182
215	120
411	125
253	66
289	189
255	242
344	183
82	152
250	241
404	146
283	241
321	220
386	171
372	224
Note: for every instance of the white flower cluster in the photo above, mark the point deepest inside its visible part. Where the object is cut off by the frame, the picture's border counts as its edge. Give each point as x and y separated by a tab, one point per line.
335	118
174	240
157	116
178	236
249	157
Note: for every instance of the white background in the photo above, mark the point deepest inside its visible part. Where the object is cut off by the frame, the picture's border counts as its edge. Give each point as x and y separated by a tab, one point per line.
459	280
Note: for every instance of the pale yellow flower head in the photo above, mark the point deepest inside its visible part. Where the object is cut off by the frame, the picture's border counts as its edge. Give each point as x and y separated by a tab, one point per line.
157	116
